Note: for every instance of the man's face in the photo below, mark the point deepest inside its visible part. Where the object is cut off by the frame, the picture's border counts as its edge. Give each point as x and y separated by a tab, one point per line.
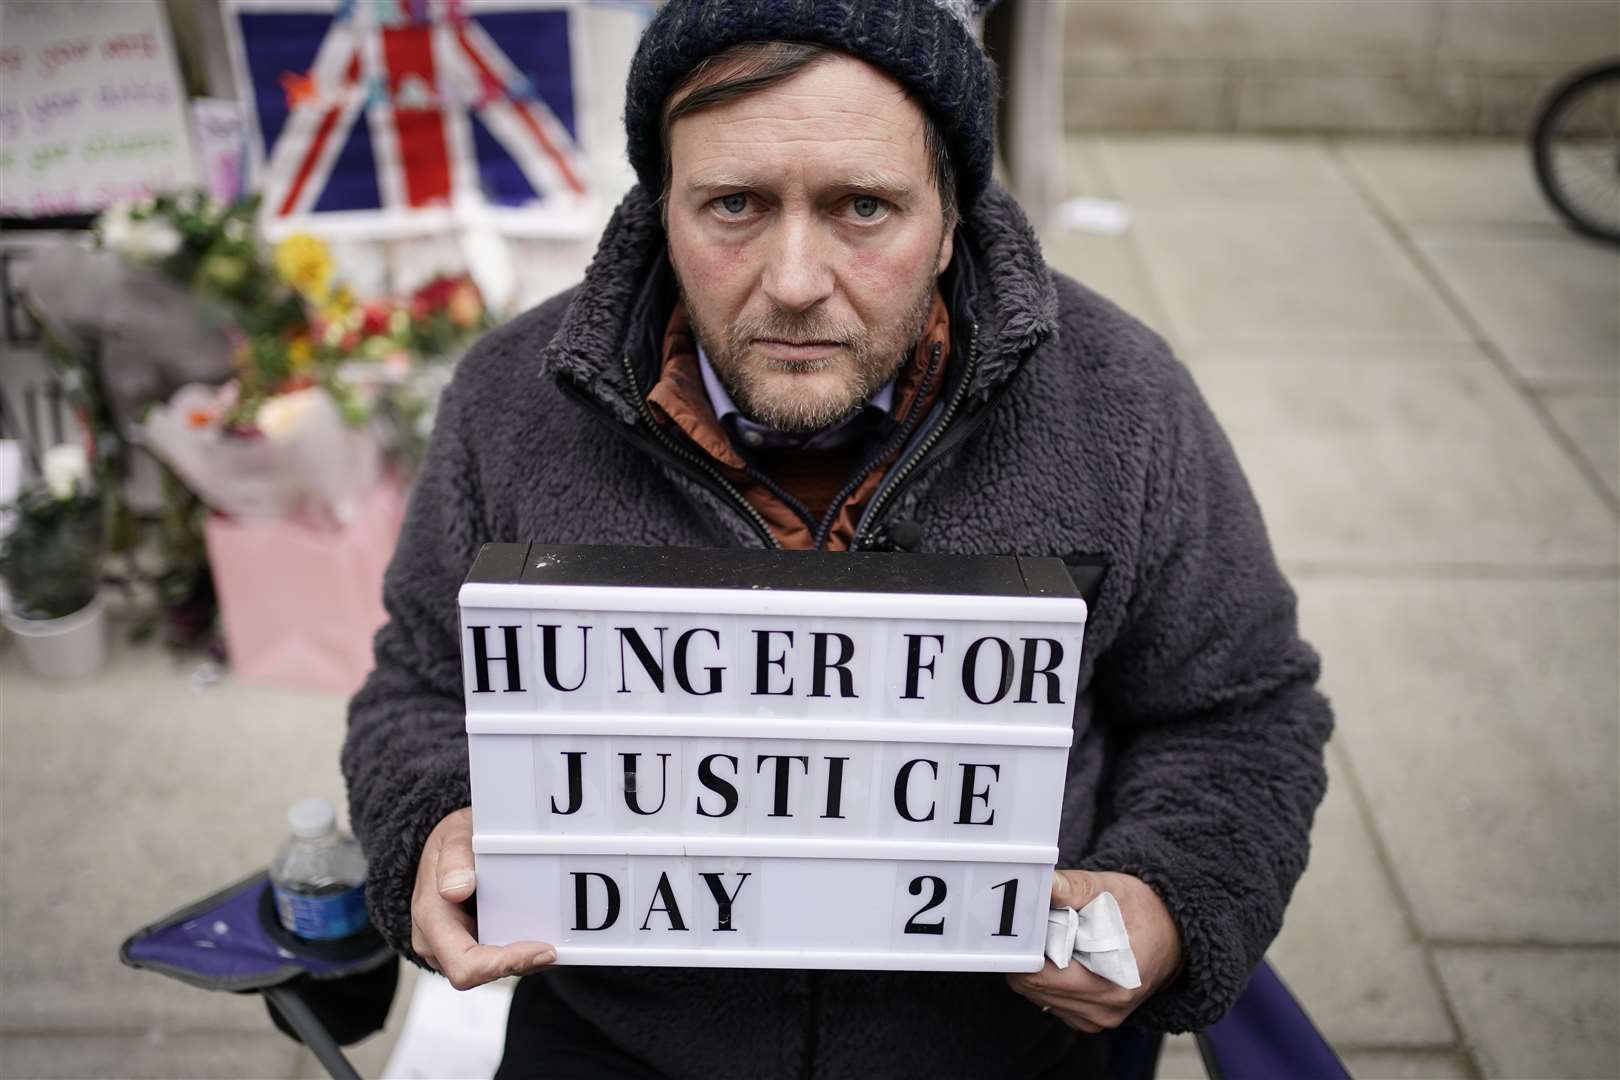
807	234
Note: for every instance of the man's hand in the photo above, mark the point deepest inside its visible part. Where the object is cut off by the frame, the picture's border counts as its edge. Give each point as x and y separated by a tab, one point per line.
442	930
1090	1002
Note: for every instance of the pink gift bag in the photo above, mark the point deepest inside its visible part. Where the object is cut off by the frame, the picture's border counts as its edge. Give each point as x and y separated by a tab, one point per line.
299	603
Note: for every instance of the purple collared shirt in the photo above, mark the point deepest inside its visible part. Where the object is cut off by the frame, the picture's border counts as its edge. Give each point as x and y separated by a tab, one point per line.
759	437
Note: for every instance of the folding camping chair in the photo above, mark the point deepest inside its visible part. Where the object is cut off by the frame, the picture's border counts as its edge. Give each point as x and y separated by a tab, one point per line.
330	995
324	994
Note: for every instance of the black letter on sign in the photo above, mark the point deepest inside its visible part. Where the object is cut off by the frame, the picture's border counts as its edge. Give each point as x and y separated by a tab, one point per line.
575	790
764	661
667	895
970	670
902	782
653	668
1026	684
723	788
779	806
846	653
835	786
715	673
581	897
631	799
548	656
721	900
1009	904
936	898
914	664
481	660
964	814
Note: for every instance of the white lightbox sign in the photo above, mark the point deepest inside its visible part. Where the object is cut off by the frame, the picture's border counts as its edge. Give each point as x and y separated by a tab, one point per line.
768	759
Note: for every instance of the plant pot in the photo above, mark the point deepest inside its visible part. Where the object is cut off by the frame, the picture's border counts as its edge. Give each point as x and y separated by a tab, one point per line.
70	647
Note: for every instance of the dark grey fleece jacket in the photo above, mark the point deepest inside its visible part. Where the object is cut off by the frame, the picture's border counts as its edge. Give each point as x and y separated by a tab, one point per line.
1066	428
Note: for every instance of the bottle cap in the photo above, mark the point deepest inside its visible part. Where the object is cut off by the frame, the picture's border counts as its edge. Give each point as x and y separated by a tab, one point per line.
312	819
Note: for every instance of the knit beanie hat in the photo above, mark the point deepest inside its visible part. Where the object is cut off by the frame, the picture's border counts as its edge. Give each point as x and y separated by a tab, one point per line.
926	45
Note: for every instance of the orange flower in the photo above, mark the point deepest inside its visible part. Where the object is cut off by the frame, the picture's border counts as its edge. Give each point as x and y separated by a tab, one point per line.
465	306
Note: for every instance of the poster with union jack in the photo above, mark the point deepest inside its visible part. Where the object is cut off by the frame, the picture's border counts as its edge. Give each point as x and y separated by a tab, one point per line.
397	117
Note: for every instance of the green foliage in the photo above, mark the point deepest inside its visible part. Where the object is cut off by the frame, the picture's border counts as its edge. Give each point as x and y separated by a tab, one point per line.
181	578
213	250
51	560
219	253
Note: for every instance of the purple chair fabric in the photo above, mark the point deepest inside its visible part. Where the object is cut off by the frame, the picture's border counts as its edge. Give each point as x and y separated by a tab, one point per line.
230	941
1267	1036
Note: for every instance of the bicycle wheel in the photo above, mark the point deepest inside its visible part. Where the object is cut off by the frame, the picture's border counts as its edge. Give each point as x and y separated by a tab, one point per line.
1576	147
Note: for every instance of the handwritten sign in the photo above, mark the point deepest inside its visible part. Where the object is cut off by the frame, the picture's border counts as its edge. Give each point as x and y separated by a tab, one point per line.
767	759
91	108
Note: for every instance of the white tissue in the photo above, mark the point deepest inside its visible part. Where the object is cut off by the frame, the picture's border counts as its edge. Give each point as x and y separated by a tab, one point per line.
1095	936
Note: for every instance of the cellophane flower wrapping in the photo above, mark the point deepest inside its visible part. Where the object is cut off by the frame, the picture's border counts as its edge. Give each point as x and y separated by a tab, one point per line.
299	459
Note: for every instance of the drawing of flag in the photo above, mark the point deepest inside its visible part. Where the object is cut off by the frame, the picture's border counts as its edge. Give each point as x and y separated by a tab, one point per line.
398	106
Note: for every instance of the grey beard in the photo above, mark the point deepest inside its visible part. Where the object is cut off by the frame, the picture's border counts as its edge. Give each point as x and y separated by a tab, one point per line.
806	415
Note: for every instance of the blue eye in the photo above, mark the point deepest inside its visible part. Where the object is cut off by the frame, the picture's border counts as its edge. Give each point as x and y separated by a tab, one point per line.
733	204
866	207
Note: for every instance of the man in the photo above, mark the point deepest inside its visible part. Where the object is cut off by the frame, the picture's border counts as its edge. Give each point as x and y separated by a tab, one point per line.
817	323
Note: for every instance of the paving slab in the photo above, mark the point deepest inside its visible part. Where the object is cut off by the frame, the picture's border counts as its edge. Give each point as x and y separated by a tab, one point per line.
1346	949
126	796
1289	272
1592	422
1480	718
1179	1060
1530	1012
1484	181
1548	299
267	1055
1111	265
1407	453
1407	1065
1192	169
1083	172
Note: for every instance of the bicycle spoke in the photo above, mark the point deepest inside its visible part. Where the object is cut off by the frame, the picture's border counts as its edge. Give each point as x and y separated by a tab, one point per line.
1592	195
1588	178
1598	160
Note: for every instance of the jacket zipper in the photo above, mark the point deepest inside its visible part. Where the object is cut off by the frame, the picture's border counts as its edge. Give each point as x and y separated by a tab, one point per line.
696	460
700	469
824	529
866	539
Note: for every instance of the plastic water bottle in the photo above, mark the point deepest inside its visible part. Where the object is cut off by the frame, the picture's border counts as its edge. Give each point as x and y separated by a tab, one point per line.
319	876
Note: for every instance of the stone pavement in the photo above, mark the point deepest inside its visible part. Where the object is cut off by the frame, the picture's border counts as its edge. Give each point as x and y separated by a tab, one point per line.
1419	370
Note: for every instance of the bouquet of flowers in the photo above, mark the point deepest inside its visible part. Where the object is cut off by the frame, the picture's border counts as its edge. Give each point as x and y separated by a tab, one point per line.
323	383
403	354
